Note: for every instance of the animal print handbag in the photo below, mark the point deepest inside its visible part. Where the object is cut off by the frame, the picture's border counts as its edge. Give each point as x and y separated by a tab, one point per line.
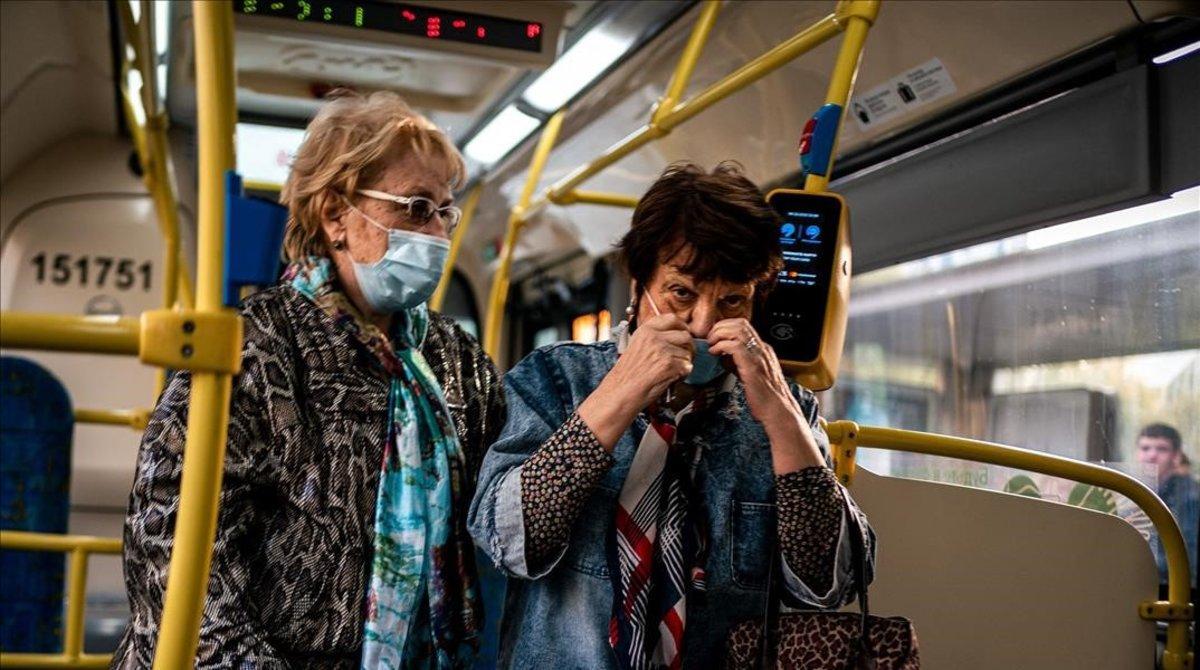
824	640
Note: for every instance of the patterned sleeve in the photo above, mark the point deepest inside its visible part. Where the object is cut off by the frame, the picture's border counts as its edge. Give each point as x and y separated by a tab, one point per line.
230	635
555	483
810	520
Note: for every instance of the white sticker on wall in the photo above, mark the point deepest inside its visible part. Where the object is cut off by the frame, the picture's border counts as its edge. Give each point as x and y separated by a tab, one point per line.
901	94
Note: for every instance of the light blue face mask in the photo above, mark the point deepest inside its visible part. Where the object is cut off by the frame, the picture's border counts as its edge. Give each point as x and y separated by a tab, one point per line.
705	366
407	274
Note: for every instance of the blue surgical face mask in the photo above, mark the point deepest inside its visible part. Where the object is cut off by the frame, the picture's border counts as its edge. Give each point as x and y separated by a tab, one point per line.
408	273
705	366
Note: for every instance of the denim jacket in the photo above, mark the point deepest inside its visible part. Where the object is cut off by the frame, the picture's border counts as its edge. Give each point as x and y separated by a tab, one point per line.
558	616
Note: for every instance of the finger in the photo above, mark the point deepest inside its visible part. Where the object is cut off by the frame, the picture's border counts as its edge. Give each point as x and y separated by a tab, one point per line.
666	322
731	329
680	338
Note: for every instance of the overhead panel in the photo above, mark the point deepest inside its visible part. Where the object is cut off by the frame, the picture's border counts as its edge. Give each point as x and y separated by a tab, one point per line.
442	57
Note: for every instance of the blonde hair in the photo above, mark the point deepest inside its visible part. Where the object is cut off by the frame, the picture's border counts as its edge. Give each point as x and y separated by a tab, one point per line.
347	143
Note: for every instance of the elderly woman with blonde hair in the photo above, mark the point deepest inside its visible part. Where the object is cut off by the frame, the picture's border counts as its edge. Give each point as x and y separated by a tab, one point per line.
356	427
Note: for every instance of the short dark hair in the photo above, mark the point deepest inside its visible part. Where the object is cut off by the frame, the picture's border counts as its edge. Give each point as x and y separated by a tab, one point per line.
1162	431
721	215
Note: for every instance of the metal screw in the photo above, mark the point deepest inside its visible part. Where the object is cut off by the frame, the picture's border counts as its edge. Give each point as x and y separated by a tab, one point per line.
189	327
186	351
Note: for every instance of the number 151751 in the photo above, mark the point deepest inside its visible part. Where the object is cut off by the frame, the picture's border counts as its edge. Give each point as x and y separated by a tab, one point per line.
123	274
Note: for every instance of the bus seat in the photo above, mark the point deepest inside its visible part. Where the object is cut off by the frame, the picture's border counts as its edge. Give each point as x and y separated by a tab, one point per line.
994	580
36	425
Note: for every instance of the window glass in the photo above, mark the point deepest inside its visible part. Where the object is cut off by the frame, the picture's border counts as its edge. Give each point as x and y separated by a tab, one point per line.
264	153
1069	340
459	304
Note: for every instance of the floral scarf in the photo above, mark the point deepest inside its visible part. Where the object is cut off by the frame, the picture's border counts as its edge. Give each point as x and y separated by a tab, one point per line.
422	608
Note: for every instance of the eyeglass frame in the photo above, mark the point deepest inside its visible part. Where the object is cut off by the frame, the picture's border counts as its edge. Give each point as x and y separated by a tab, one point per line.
408	200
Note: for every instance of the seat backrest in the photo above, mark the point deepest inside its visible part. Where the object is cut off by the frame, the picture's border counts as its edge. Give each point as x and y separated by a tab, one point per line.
994	580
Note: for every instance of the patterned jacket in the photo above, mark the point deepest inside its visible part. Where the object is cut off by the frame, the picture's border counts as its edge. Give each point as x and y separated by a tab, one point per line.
295	530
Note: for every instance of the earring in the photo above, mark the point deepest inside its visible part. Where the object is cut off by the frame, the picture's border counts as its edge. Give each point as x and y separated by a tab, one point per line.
629	309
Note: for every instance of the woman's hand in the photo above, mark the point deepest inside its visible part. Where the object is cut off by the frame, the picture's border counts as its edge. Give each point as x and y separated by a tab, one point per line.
658	355
767	393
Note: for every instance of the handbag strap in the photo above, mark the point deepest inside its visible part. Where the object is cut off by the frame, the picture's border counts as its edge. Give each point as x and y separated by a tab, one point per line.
768	644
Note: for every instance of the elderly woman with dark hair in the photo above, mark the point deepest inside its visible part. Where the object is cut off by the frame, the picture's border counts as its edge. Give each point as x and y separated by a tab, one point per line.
643	488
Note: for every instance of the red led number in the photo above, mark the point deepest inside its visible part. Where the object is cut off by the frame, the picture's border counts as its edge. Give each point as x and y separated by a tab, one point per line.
532	30
433	26
408	16
481	32
459	24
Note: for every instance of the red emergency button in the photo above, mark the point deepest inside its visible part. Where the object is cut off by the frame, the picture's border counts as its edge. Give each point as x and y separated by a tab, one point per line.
806	137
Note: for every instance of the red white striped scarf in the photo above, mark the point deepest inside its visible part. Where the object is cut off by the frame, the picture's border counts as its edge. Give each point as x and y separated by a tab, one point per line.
658	542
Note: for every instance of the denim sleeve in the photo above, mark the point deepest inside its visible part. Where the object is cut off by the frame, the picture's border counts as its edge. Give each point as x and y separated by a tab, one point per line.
497	520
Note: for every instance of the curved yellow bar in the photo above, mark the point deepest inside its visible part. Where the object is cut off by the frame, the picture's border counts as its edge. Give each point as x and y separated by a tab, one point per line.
60	332
498	297
468	212
1176	656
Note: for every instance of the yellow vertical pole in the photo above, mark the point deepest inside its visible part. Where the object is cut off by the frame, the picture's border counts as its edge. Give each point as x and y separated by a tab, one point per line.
208	412
516	220
76	596
687	60
439	295
857	17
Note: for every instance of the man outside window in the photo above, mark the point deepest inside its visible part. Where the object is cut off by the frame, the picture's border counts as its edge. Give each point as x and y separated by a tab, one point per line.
1159	444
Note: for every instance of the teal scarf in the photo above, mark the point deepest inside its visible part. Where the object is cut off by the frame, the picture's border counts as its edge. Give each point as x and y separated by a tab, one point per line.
423	608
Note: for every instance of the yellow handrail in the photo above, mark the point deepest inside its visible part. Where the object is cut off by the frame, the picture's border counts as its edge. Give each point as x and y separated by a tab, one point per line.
847	436
149	131
516	220
260	185
853	16
60	332
208	411
134	418
468	212
599	198
79	547
857	19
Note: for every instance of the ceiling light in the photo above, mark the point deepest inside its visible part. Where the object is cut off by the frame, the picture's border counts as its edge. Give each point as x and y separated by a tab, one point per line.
1177	53
508	129
1183	202
576	69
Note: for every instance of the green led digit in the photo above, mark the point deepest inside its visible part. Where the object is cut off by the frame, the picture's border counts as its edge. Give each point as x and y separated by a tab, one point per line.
249	6
328	13
305	10
276	6
358	16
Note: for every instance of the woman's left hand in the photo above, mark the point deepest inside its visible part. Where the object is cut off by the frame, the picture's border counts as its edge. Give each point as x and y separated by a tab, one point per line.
767	393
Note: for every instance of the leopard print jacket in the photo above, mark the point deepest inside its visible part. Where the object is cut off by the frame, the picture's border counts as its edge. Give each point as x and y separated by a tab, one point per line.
295	531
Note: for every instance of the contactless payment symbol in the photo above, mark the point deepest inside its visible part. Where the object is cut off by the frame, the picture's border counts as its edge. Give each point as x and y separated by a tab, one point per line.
782	331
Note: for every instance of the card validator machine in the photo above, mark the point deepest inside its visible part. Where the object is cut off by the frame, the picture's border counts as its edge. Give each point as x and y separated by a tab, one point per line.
804	317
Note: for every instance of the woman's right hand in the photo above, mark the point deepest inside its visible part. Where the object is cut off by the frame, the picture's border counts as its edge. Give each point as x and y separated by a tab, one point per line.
659	354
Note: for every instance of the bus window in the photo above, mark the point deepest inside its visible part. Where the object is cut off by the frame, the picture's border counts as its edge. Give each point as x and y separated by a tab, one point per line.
1069	340
459	304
